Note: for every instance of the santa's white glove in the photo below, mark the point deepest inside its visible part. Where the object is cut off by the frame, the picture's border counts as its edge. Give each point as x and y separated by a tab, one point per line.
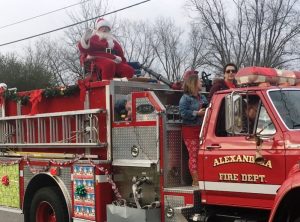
88	34
118	59
3	85
85	39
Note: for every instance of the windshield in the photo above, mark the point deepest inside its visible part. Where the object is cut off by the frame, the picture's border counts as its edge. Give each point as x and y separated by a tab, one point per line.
288	106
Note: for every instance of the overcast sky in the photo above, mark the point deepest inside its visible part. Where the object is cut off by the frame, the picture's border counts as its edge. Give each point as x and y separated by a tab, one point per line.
16	10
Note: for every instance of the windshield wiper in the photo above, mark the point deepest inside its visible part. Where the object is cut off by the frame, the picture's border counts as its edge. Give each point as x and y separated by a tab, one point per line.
296	125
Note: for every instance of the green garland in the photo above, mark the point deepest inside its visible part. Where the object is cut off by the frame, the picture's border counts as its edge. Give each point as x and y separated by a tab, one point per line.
47	93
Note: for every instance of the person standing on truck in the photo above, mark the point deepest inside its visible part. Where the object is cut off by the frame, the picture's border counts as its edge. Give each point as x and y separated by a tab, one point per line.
251	107
191	111
101	47
123	109
228	82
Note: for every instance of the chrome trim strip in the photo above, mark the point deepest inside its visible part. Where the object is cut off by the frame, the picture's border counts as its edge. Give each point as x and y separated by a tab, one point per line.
108	122
135	163
240	187
12	210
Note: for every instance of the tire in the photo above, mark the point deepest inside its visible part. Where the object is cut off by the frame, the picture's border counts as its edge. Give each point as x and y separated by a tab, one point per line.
48	205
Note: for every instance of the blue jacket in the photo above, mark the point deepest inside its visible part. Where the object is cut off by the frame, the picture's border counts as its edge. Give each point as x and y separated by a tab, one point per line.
189	106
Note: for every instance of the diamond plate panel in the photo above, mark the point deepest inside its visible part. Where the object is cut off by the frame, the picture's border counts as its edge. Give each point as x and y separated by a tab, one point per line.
182	190
144	137
173	160
65	176
172	201
118	87
178	202
126	90
144	117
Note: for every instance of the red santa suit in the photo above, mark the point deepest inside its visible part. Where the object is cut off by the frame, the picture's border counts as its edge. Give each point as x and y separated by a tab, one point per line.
105	52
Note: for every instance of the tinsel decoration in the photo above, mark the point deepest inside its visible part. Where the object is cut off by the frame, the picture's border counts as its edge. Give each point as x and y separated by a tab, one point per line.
109	179
9	163
80	191
5	180
67	163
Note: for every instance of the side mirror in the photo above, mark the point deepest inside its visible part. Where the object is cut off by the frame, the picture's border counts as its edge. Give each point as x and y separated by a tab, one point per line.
233	113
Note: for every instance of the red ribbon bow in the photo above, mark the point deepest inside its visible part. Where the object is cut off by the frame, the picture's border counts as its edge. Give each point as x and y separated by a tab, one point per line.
2	90
35	98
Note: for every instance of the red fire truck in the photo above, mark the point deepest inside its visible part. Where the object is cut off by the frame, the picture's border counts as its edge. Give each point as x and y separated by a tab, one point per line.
112	151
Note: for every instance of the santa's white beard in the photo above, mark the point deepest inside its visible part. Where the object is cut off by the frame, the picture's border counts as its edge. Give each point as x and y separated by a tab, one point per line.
108	37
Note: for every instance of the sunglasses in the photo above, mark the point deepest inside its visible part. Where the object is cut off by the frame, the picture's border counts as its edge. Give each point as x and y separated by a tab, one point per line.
230	71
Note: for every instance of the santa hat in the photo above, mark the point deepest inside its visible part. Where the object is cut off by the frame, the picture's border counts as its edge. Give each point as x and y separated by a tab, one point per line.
101	23
189	73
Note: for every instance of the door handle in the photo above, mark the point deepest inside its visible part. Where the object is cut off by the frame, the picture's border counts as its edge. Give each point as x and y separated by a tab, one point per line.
213	147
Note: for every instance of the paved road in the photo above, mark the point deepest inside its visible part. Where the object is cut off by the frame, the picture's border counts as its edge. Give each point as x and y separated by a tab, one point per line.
10	217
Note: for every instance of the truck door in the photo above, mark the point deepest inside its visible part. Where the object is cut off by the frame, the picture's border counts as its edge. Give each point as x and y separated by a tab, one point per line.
238	170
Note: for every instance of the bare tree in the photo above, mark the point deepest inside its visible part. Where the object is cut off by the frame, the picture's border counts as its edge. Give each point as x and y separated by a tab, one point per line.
215	26
197	50
137	37
52	54
273	25
259	34
169	48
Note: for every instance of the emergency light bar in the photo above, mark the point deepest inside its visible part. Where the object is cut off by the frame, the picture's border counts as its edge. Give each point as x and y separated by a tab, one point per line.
267	76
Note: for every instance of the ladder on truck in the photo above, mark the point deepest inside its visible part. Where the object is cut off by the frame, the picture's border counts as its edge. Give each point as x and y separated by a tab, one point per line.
72	129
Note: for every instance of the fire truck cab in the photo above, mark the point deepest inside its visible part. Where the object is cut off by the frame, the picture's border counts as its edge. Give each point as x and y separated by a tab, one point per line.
248	157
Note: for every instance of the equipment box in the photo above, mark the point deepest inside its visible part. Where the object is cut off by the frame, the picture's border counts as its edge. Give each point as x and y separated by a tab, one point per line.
123	214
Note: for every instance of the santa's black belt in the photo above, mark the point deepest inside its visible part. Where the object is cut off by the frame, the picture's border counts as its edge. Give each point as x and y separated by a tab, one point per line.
108	50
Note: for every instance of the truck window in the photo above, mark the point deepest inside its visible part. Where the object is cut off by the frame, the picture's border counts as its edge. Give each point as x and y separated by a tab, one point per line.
255	118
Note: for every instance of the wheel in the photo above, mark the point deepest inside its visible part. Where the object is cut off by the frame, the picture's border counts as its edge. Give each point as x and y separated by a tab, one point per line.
48	205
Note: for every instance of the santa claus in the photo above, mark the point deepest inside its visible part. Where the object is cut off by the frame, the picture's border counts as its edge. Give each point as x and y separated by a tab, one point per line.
100	47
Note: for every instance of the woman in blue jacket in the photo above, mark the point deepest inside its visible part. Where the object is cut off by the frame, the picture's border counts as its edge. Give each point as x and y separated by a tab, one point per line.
191	110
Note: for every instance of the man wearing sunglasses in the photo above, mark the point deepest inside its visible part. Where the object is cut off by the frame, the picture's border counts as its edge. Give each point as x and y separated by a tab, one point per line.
228	82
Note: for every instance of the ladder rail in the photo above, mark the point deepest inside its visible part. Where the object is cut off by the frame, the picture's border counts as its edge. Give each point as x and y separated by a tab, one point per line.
62	129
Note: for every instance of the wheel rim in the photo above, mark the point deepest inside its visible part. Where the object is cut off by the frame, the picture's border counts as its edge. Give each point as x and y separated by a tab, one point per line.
45	213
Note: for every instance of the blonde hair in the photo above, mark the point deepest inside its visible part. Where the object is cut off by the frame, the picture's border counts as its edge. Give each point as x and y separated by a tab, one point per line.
190	85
